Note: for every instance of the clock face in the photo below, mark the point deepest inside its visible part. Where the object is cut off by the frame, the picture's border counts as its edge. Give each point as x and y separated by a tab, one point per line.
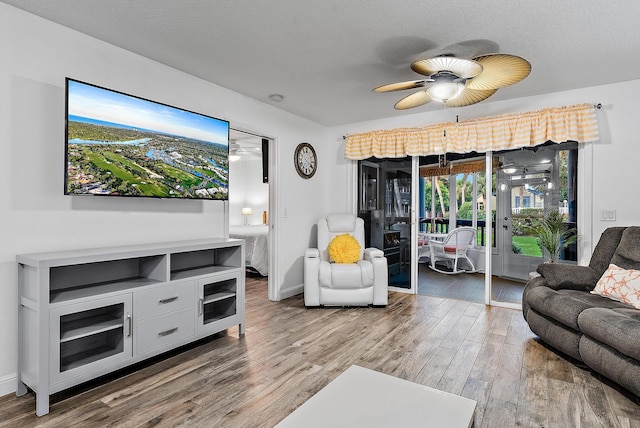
305	160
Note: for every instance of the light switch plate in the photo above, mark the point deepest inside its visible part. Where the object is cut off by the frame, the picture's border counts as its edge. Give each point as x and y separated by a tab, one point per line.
608	215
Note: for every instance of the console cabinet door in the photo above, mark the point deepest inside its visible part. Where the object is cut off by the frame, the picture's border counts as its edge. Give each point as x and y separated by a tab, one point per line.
89	338
218	300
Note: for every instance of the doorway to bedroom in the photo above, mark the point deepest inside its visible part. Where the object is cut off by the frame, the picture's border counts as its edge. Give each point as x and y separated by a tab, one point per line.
249	198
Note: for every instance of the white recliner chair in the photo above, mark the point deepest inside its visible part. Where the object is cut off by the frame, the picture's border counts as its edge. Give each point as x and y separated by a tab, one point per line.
337	284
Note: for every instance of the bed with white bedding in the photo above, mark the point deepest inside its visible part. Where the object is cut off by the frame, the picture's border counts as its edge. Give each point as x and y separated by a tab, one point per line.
256	246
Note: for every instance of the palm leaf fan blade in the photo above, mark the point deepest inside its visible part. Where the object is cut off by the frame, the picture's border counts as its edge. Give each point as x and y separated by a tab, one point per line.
401	86
465	68
414	100
499	70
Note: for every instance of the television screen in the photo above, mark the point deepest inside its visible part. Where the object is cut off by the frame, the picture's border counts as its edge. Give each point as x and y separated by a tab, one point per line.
121	145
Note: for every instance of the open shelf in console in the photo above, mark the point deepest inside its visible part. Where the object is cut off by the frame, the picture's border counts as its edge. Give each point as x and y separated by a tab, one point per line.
190	264
77	281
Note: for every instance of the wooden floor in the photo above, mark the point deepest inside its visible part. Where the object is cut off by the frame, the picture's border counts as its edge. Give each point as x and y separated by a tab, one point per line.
467	286
289	353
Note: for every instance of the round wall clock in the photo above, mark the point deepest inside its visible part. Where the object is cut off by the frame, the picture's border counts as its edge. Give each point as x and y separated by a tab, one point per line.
305	160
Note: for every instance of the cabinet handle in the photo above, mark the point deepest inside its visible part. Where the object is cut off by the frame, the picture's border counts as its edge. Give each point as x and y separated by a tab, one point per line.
168	332
201	305
168	300
130	323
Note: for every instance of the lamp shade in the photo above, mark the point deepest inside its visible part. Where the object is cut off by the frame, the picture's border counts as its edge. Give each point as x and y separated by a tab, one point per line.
247	211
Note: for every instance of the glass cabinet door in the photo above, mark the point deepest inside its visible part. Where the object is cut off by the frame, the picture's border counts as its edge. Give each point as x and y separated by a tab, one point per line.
369	183
218	299
90	336
385	204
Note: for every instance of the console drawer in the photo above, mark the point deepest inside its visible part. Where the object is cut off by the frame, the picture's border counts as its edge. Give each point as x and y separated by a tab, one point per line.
158	332
165	299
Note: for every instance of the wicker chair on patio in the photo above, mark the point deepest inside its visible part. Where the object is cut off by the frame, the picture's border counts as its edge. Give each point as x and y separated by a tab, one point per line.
452	249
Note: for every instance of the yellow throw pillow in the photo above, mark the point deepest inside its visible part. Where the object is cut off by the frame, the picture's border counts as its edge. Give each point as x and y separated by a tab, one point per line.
344	249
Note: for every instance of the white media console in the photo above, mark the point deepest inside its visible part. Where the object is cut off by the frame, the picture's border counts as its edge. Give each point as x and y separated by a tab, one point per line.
85	313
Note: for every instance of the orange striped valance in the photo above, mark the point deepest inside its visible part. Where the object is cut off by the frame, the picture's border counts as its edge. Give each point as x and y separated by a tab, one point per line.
510	131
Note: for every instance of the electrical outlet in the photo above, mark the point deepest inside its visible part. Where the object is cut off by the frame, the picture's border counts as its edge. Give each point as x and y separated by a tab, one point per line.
608	215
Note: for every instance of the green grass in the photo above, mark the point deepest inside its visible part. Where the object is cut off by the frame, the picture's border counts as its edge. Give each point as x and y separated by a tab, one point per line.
528	245
99	161
147	189
113	157
179	176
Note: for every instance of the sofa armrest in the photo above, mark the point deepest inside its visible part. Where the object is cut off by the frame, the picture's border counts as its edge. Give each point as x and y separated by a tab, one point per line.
311	253
563	276
311	278
536	281
373	253
380	275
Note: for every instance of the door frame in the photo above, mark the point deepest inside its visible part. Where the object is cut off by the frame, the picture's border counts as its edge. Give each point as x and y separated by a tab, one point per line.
415	225
274	293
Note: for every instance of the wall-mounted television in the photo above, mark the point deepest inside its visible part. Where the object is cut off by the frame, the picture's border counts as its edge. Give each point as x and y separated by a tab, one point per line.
123	145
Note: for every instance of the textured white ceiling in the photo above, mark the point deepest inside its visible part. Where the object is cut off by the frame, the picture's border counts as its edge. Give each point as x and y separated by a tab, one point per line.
325	56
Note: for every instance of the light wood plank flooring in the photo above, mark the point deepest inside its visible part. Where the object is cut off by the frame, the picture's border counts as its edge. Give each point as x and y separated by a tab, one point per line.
289	353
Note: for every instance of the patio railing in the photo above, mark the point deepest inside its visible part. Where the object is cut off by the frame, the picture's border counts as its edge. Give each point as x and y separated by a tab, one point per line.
441	225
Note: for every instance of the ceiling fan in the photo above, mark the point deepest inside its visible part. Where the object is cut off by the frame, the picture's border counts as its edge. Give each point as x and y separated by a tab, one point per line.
458	82
239	148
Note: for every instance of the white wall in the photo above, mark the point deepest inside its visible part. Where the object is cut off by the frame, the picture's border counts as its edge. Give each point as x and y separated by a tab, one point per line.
35	216
246	189
614	158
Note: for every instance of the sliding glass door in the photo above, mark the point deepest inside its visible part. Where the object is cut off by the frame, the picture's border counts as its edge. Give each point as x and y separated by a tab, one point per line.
406	201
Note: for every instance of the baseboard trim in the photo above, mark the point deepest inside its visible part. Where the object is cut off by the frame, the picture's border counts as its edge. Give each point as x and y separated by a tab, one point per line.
7	384
291	291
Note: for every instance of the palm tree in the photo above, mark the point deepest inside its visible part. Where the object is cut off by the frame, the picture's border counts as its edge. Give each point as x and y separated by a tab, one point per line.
440	197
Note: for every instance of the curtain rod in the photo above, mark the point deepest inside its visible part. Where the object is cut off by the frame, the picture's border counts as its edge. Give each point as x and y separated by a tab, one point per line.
597	106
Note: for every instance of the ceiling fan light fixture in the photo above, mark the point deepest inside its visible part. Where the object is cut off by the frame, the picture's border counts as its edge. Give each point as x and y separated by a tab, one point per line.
445	91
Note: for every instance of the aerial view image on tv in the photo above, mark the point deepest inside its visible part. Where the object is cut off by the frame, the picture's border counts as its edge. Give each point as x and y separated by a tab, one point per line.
122	145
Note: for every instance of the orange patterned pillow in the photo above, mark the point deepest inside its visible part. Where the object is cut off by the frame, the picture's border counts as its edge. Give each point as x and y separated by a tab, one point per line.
344	249
620	284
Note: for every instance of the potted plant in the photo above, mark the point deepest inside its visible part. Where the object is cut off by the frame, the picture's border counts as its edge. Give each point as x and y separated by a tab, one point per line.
553	235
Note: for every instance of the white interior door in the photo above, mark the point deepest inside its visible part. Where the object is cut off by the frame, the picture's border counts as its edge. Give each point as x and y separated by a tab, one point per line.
515	213
528	186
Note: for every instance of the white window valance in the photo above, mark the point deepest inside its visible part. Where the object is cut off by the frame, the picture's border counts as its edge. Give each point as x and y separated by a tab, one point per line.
559	124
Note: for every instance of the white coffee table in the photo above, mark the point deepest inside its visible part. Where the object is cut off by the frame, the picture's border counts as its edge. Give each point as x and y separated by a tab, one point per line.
362	397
